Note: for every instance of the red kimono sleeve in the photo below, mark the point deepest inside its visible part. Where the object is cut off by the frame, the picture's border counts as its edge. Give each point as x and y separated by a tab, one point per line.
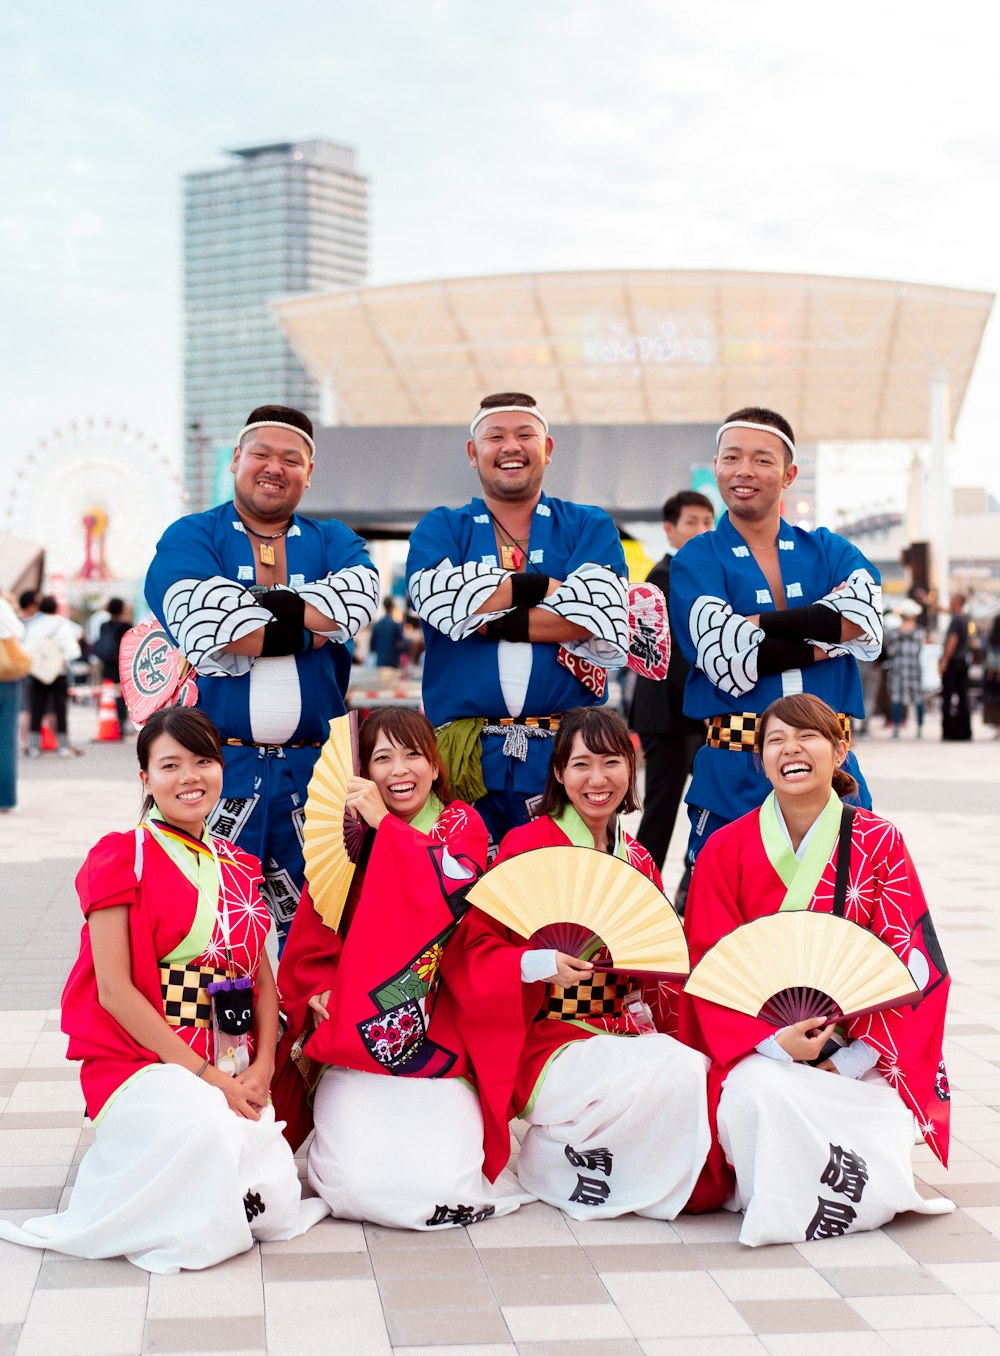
308	963
713	910
909	1040
110	1055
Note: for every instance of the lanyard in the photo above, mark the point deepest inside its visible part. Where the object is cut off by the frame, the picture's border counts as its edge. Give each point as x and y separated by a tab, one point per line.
207	880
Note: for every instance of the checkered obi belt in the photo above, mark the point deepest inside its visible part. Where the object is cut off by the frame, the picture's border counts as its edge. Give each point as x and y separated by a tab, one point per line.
185	993
599	999
738	731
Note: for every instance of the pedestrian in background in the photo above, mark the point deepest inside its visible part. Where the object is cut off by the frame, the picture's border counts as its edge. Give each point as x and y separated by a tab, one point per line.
991	678
669	739
11	629
903	648
52	642
956	718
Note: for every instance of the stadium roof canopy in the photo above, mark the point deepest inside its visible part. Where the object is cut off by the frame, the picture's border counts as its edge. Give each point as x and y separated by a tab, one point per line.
842	358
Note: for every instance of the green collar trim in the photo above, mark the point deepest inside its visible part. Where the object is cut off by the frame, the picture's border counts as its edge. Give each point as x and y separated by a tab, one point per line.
571	823
428	814
200	871
800	878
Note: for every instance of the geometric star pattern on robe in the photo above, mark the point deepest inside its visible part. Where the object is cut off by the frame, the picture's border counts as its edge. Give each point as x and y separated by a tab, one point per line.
878	895
248	915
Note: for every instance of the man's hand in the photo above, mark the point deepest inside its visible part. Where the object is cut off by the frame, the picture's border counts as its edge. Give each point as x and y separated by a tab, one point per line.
804	1040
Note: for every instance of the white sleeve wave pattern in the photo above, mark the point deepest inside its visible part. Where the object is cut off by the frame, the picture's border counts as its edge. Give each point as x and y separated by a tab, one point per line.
859	601
348	597
206	615
447	596
596	598
726	644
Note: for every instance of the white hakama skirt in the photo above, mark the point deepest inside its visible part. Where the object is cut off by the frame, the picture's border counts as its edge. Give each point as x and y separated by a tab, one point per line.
405	1152
620	1124
816	1155
175	1179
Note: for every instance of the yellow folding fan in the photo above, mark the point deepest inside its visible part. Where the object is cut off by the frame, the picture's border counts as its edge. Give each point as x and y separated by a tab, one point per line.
332	838
787	967
560	897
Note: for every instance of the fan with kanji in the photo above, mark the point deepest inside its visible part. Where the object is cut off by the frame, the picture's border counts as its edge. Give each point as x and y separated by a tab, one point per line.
789	967
332	837
572	899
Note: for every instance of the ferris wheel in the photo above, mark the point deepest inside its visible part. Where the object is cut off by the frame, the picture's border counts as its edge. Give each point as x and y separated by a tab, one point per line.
96	493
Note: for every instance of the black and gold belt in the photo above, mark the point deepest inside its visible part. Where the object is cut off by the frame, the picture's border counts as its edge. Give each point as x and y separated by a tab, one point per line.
185	993
550	723
738	730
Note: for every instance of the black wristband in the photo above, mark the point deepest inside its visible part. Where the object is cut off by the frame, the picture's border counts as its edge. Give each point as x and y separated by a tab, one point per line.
777	654
515	624
815	622
285	604
528	589
281	637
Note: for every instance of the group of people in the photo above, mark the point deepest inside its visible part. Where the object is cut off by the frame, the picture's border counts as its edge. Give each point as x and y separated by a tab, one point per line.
418	1028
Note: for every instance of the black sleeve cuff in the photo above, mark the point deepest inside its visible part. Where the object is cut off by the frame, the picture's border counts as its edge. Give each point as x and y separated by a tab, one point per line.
281	637
777	655
285	604
815	622
526	590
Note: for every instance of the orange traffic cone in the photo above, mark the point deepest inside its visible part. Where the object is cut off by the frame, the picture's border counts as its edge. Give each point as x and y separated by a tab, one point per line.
49	743
107	715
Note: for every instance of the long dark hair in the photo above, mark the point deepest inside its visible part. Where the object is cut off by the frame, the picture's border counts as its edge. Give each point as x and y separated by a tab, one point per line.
410	729
192	729
602	731
803	711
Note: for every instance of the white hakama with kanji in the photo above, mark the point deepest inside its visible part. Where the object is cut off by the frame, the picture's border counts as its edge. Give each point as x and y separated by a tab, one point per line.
405	1152
619	1124
175	1179
816	1155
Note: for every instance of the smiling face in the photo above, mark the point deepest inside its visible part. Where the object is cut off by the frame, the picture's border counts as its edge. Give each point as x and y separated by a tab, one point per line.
799	762
595	783
404	777
751	472
271	472
185	785
510	451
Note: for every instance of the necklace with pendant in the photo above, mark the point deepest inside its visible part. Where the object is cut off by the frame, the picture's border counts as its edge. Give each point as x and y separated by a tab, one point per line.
511	555
265	548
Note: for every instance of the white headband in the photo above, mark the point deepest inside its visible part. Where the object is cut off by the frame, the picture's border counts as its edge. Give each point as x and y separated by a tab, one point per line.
761	428
276	423
508	409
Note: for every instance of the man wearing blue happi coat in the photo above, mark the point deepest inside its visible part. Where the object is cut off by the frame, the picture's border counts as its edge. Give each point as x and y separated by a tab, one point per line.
523	604
762	610
264	602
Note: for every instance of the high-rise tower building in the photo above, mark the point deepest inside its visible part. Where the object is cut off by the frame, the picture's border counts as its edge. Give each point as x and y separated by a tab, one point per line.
280	219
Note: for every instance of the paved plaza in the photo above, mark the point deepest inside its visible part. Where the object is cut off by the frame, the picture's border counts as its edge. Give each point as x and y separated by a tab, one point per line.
534	1282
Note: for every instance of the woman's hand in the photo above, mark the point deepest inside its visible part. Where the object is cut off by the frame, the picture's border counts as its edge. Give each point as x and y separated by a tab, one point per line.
828	1066
239	1098
804	1040
318	1008
569	970
256	1080
365	801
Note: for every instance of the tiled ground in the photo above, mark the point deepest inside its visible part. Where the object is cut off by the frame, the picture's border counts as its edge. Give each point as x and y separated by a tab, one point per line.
532	1283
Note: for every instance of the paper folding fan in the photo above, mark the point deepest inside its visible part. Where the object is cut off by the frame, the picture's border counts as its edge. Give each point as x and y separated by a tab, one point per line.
788	967
332	838
561	897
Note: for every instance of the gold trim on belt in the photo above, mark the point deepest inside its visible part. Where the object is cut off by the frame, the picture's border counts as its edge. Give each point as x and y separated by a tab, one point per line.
738	731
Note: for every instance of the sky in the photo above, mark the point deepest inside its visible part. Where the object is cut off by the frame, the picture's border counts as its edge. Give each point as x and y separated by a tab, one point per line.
859	140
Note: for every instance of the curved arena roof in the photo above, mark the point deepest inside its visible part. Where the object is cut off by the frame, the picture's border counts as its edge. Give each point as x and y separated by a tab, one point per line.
842	358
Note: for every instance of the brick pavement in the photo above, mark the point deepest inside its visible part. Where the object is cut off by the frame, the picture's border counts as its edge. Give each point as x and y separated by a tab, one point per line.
533	1283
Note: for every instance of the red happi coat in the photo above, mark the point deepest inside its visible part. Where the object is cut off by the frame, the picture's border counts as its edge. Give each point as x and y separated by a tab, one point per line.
382	965
734	882
484	996
162	903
